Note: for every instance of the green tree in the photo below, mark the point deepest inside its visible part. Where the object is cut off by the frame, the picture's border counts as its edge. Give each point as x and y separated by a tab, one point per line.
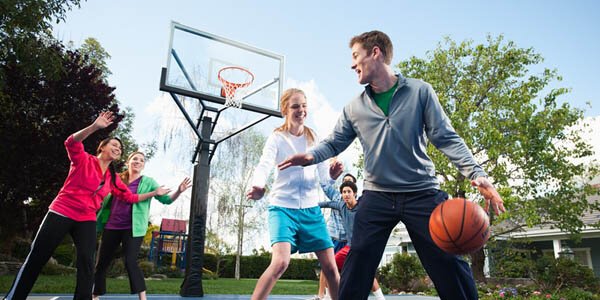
230	180
25	35
96	55
513	122
46	93
37	113
218	247
93	54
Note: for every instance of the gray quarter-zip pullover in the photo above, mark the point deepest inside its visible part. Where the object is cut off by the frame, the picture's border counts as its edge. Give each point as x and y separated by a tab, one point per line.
395	146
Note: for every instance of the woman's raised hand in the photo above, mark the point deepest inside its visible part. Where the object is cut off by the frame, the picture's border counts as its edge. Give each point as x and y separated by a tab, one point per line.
104	119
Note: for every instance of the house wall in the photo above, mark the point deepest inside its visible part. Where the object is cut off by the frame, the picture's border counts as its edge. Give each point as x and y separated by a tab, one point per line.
388	253
593	245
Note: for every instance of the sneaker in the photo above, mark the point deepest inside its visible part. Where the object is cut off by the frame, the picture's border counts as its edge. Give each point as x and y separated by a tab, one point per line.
314	298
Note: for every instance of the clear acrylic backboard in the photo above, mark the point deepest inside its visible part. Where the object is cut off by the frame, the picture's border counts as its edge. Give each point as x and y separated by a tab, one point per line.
195	58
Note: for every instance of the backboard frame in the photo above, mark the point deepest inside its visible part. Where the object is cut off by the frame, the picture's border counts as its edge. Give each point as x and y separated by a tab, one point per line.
172	57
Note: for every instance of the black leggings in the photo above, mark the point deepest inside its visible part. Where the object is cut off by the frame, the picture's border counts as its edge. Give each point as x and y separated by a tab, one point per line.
52	231
131	247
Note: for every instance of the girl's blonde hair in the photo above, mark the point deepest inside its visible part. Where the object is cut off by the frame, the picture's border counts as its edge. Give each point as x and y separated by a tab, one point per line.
284	106
125	174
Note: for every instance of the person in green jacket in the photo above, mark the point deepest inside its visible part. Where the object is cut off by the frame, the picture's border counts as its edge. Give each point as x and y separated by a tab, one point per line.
125	224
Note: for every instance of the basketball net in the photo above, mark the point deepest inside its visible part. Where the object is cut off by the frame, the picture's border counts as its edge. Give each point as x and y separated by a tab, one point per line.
234	80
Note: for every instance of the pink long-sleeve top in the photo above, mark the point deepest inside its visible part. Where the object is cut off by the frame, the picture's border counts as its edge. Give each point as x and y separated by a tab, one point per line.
85	187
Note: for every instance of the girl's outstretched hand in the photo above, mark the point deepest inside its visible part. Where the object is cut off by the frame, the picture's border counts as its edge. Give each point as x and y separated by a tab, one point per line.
162	190
184	185
255	193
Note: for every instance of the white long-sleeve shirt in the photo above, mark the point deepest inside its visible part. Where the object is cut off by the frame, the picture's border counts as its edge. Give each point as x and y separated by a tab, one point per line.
294	187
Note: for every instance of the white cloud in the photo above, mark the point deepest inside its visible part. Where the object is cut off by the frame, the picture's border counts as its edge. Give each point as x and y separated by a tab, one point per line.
591	135
322	117
169	167
589	130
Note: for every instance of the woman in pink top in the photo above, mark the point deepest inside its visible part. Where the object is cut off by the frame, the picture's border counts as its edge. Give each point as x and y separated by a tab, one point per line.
73	211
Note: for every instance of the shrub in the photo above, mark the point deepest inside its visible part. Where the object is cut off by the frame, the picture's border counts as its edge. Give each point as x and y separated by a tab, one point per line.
300	269
502	293
513	265
578	294
401	272
171	273
253	266
64	254
562	273
208	274
147	267
144	252
116	269
21	248
57	269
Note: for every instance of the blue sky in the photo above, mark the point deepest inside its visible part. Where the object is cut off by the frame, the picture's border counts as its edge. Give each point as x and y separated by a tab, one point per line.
314	35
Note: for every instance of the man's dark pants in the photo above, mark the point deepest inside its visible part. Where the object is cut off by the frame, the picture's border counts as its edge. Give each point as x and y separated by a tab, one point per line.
378	213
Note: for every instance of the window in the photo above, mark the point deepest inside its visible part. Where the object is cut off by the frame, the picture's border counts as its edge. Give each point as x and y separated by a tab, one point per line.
581	255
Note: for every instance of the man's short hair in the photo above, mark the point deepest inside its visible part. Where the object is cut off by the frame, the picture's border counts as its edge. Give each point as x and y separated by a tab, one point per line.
352	176
349	184
370	39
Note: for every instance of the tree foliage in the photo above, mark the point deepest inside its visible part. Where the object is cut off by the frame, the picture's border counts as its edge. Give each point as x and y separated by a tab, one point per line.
230	180
500	100
25	34
47	92
93	54
514	124
96	55
37	113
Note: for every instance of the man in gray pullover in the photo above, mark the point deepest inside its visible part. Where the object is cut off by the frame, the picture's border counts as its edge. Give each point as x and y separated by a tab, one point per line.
394	118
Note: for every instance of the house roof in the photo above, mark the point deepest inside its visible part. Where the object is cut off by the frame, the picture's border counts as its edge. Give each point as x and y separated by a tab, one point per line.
548	231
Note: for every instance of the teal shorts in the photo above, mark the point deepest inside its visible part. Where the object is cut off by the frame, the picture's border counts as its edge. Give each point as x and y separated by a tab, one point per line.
303	228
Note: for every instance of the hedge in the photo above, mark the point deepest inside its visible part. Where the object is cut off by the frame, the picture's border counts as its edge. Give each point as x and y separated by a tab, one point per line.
254	265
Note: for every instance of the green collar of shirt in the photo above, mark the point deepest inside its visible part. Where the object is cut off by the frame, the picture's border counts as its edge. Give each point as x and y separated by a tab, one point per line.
384	99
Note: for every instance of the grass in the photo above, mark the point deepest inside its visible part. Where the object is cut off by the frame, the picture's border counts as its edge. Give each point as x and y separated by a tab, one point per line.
66	285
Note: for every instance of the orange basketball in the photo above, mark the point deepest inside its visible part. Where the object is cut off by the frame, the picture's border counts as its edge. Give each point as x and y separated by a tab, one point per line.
459	226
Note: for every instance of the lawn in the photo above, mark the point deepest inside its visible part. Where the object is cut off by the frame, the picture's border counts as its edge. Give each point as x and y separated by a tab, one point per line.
66	285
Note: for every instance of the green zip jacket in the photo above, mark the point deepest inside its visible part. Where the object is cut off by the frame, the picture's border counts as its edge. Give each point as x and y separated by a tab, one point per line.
140	212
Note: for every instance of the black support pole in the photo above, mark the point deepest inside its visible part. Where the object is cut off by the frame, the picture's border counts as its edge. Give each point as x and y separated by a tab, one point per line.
194	251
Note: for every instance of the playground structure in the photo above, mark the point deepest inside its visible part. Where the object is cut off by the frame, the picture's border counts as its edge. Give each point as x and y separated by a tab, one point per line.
170	239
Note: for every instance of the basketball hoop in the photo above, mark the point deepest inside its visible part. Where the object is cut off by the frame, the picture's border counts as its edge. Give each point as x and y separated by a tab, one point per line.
233	79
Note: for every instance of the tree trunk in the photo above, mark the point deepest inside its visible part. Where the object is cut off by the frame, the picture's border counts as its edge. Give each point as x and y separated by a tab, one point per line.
218	266
241	215
240	239
477	264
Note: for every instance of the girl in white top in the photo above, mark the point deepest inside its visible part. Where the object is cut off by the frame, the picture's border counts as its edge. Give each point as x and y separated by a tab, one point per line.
295	219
